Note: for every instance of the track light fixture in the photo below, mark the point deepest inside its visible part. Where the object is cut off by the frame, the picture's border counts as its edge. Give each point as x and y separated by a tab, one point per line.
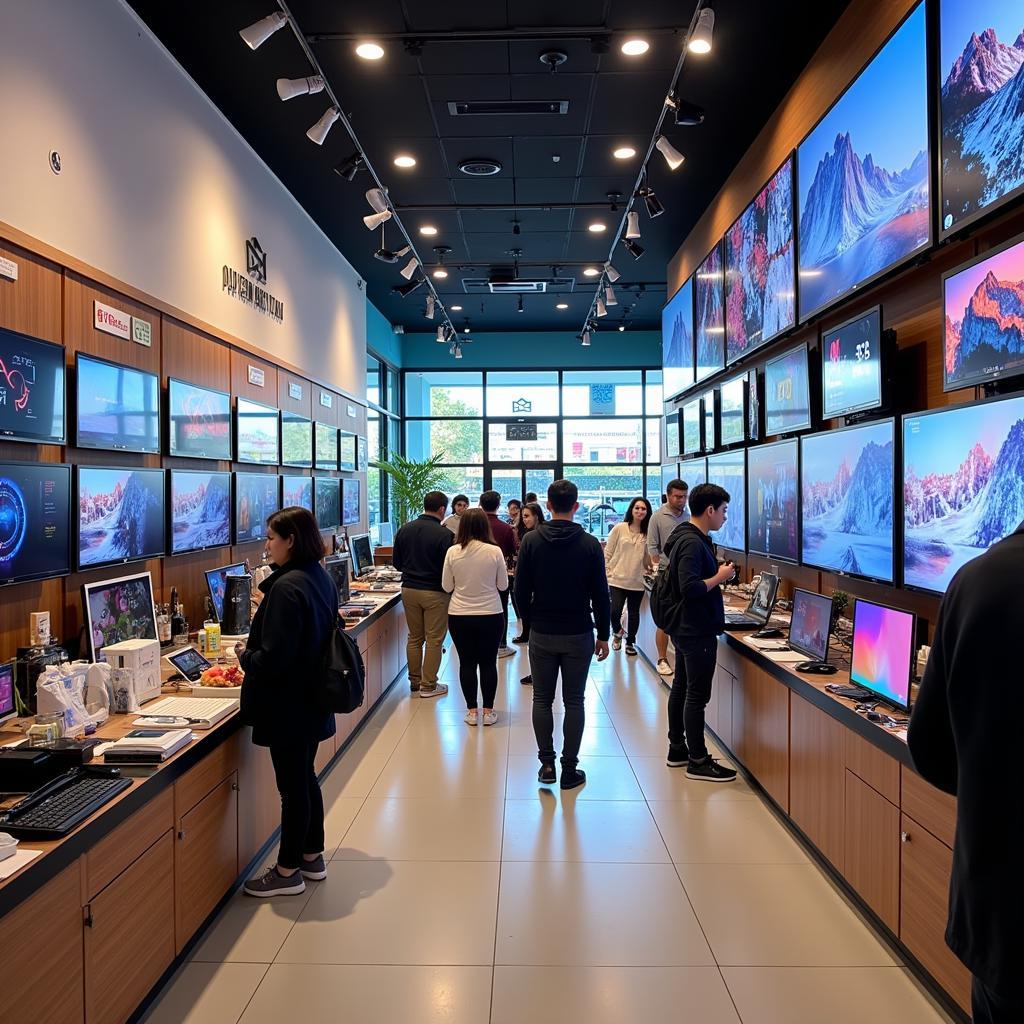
318	133
703	34
379	204
350	166
585	341
613	274
672	156
599	307
259	32
458	351
385	255
374	220
609	296
410	268
442	334
289	88
519	308
651	201
408	289
429	311
634	250
632	224
686	114
439	272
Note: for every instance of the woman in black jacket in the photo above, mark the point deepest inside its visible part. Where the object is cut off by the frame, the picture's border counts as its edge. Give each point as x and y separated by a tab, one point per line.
282	658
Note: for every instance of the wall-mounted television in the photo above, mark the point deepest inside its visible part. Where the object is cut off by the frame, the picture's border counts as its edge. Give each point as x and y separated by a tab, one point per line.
257	432
732	412
677	342
297	491
118	407
848	484
296	441
118	610
693	472
327	501
760	268
961	486
983	302
672	448
709	315
729	470
35	515
257	497
200	510
31	389
325	446
350	501
708	404
753	405
120	515
851	365
691	427
863	174
980	111
198	421
773	500
346	451
787	392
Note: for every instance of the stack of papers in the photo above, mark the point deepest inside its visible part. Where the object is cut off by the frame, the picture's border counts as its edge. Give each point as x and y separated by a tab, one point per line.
148	745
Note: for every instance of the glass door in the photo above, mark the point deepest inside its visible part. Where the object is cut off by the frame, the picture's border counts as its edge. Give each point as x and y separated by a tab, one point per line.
516	481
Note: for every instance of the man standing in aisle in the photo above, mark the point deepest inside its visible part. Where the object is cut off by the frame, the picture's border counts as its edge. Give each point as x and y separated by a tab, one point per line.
420	547
505	538
696	580
663	522
459	505
964	738
562	591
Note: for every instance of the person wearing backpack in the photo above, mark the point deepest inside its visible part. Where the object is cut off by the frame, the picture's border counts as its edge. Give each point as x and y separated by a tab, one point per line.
662	523
283	661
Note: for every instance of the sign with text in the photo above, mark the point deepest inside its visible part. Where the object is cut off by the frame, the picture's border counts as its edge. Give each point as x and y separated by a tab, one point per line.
257	377
111	321
602	399
8	269
247	287
295	391
326	399
142	332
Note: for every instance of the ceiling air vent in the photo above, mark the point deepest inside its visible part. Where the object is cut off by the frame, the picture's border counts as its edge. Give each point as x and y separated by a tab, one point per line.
480	167
504	284
499	108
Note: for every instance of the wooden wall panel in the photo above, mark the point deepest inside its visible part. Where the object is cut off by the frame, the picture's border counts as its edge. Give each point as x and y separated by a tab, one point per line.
195	357
301	406
323	414
240	363
32	304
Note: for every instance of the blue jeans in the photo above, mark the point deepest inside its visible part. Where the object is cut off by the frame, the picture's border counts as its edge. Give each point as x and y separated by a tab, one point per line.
549	655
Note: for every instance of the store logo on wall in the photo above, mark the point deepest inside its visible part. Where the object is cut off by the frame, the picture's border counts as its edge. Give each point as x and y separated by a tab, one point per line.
246	287
522	405
255	260
111	321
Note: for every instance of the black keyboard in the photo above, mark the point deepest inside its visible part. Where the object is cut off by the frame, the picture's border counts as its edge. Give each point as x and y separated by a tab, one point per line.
64	803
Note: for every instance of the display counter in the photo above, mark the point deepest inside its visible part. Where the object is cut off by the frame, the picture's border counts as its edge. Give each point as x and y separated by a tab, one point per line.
94	922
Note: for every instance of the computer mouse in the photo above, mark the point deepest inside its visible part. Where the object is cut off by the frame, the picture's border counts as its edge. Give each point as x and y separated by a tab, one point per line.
816	668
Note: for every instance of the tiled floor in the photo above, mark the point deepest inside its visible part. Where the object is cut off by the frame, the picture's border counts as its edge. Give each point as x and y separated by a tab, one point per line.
461	891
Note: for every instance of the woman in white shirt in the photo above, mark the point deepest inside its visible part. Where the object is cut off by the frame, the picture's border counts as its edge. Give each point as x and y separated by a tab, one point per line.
474	573
626	560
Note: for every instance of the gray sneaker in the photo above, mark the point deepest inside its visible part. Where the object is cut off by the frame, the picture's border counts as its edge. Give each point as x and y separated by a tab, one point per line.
439	690
504	651
316	870
271	883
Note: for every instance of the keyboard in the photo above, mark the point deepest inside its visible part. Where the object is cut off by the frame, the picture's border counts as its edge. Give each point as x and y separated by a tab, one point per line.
64	803
201	712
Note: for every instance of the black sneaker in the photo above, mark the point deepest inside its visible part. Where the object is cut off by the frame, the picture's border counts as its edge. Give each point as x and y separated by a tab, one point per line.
521	640
547	773
572	777
677	757
709	770
527	680
631	651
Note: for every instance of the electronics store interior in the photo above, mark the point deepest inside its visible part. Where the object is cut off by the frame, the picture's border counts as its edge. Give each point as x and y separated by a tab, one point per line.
662	251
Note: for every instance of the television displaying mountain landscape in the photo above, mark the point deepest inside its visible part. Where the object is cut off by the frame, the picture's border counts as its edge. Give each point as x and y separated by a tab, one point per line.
773	500
256	499
962	472
297	492
709	318
981	107
200	510
863	174
984	318
120	515
846	512
760	285
729	470
677	341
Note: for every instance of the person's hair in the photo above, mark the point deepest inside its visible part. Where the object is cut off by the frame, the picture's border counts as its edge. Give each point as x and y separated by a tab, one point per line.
531	497
490	500
458	498
435	501
301	524
675	485
705	496
562	495
646	521
514	501
474	525
538	516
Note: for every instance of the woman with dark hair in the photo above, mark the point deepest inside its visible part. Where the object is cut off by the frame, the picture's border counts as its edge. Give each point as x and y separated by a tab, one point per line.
626	560
474	574
515	511
532	517
284	653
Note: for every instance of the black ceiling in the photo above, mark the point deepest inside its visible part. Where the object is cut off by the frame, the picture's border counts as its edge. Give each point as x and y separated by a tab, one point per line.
400	104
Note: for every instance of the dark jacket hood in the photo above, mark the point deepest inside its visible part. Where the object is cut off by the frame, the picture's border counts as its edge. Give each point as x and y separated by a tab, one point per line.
688	532
559	531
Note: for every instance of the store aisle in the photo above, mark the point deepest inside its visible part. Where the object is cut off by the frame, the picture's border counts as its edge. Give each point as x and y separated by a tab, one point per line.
462	891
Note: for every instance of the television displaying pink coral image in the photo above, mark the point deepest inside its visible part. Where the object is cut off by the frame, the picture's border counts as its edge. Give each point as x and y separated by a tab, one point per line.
883	651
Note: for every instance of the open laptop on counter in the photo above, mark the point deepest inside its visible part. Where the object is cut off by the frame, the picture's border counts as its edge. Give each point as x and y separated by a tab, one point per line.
759	610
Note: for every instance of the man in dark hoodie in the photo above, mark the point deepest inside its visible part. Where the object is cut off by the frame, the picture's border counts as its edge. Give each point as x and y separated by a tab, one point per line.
697	580
964	737
562	591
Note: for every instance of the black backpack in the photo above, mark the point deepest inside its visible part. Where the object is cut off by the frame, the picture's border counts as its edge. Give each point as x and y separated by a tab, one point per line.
665	599
342	683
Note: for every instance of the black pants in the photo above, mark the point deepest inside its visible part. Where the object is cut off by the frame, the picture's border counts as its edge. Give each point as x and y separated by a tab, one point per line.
631	599
476	638
989	1008
549	655
504	615
302	805
691	691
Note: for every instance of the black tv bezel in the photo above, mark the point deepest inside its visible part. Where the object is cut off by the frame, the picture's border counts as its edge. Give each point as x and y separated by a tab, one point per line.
79	443
896	482
83	567
293	417
744	408
170	432
238	433
883	698
25	438
772	556
348	467
170	510
337	447
883	355
326	527
790	430
697	401
755	406
719	246
88	588
31	577
666	397
741	451
234	503
812	655
346	483
299	476
710	444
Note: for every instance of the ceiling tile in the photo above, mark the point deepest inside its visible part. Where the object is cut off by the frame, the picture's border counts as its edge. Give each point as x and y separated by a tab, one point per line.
534	157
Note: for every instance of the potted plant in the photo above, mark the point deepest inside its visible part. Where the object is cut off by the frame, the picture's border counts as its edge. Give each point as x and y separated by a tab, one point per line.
410	480
840	602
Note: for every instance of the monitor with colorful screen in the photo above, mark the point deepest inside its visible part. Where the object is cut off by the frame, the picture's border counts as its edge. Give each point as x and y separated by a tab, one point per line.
882	660
31	389
35	521
199	421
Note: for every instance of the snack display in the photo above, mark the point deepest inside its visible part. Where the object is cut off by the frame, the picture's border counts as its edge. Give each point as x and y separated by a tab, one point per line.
222	676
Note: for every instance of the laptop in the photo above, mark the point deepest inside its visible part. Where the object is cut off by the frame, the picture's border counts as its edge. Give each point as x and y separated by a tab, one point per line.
759	610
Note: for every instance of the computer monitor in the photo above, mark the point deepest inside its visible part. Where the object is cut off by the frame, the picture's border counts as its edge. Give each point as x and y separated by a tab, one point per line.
811	624
7	708
117	610
386	533
883	652
217	583
762	601
337	567
361	552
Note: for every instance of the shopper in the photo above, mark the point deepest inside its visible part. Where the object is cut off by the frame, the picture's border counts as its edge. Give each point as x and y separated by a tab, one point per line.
563	591
533	516
474	574
506	540
626	560
514	517
663	522
459	505
531	498
514	510
285	648
964	739
420	547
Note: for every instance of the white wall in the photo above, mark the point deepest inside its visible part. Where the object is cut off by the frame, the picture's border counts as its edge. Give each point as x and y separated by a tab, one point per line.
157	189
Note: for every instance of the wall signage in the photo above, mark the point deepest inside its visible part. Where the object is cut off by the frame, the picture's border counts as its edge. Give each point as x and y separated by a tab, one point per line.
8	269
351	410
602	399
326	399
257	377
295	391
142	332
247	287
522	405
111	321
520	431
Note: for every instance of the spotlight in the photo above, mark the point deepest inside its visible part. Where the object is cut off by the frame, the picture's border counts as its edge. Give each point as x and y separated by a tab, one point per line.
672	156
374	220
408	289
519	308
289	88
635	47
410	268
404	160
686	114
370	51
441	339
609	296
600	308
428	229
632	224
318	133
441	251
387	256
458	351
597	227
258	33
429	311
613	274
651	201
439	274
624	153
586	339
622	327
701	40
379	204
634	250
561	305
349	167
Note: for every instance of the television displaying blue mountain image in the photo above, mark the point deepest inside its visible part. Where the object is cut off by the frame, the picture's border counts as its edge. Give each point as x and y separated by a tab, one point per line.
677	341
118	407
760	286
963	468
863	174
709	318
846	512
773	500
981	107
787	392
851	365
35	515
729	470
200	510
297	491
31	389
120	515
256	499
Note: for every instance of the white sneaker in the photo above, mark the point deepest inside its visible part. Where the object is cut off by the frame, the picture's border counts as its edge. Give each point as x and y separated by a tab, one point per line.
490	717
664	668
505	651
616	641
472	716
438	691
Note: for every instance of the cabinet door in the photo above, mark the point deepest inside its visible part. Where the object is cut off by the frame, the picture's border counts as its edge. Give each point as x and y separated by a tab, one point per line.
725	681
129	935
760	729
259	805
817	778
372	663
872	843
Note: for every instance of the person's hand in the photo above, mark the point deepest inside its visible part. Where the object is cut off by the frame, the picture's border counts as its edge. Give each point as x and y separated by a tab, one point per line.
601	649
239	650
725	573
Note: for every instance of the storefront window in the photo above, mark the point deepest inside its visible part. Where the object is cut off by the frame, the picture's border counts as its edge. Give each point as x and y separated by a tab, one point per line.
444	393
522	394
467	480
653	427
602	393
457	441
373	380
605	494
595	440
654	399
501	449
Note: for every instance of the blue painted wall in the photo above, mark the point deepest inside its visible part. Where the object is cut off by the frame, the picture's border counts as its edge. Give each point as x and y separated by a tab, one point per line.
380	337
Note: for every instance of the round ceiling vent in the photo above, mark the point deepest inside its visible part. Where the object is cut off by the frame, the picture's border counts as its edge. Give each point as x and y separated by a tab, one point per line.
480	167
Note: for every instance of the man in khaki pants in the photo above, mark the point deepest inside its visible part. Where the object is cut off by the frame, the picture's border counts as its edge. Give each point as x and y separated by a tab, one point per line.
420	547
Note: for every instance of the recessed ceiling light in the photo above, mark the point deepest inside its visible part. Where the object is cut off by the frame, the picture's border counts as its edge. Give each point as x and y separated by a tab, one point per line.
440	273
428	229
455	309
597	227
562	305
405	161
591	272
369	51
635	47
624	153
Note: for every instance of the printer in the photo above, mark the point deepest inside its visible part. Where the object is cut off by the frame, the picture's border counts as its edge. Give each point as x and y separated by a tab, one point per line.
135	673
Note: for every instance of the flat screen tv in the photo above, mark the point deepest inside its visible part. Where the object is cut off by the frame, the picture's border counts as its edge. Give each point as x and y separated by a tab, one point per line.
350	501
671	435
200	510
981	108
120	515
984	318
297	491
732	412
346	451
199	421
35	514
693	472
327	499
961	486
118	407
710	432
882	657
677	342
863	174
773	499
709	315
325	446
31	389
691	420
296	441
257	431
787	393
760	268
729	470
118	610
257	497
848	485
753	406
851	365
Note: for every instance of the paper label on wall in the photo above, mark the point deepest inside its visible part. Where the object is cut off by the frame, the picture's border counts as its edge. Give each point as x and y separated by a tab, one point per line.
142	332
257	377
295	391
351	410
8	269
326	399
111	321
